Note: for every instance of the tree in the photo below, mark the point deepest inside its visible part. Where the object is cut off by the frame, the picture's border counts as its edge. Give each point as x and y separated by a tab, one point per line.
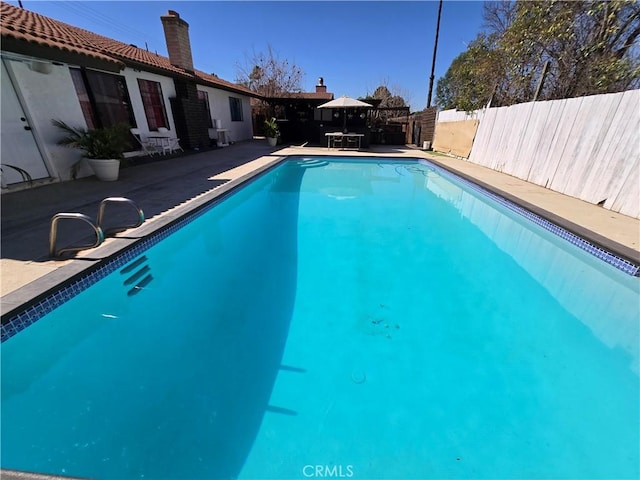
265	73
498	16
585	48
388	99
588	46
472	77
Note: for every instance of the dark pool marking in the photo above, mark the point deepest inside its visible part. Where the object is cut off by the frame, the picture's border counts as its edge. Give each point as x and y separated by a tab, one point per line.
293	369
281	410
137	275
358	377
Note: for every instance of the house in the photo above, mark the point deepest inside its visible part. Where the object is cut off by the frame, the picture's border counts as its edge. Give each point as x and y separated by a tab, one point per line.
52	70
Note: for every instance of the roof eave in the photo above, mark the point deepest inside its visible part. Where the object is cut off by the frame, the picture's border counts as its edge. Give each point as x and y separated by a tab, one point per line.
59	54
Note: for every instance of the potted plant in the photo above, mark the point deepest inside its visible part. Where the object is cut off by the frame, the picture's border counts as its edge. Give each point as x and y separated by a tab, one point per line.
271	131
103	147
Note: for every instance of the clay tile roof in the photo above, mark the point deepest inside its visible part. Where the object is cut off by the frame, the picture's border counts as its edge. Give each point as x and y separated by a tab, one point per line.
24	25
27	26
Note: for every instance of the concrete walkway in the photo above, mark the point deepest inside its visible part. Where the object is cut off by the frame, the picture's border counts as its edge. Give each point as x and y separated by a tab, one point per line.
168	189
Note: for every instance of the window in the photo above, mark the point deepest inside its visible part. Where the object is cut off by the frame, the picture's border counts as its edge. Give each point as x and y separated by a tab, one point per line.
83	96
204	98
153	103
235	104
103	97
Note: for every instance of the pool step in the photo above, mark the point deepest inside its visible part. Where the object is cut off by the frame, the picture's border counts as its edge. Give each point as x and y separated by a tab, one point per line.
311	163
138	273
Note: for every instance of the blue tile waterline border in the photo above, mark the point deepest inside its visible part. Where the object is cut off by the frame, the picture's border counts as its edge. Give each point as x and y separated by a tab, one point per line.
38	310
598	252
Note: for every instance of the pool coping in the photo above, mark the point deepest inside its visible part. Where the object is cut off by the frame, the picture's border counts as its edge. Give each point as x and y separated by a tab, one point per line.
626	253
8	474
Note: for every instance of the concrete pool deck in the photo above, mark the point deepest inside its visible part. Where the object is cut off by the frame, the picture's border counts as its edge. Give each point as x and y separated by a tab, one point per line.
167	189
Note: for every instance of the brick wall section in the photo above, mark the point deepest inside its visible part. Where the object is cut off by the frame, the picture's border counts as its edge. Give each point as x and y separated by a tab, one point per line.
422	126
176	34
189	116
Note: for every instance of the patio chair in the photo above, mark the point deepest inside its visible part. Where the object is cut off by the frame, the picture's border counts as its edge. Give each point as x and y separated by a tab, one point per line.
149	148
337	141
352	142
173	144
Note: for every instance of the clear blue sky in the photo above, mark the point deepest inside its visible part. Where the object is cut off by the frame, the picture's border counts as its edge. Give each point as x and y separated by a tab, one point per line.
355	46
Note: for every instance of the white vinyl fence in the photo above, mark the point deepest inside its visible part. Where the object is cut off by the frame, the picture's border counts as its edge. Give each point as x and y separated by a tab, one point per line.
586	147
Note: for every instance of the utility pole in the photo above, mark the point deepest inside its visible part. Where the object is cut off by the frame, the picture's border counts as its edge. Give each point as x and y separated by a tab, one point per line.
435	50
541	81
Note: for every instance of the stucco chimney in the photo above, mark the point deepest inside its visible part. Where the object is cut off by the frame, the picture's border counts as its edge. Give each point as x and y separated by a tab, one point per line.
176	34
321	87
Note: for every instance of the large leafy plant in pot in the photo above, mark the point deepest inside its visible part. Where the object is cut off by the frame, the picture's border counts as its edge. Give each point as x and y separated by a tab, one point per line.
271	131
103	147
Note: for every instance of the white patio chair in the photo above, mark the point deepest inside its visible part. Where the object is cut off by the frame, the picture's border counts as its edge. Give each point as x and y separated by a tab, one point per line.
149	148
173	144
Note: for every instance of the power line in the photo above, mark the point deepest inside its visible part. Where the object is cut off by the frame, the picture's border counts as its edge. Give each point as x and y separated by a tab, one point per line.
109	20
81	9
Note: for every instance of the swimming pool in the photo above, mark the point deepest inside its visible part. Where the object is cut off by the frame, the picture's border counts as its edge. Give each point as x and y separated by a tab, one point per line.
365	319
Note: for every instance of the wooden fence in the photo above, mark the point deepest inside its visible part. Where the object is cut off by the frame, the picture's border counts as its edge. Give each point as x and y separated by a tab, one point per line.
586	147
421	127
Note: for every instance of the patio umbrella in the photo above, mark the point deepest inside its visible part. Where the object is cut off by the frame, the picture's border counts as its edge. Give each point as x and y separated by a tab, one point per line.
345	102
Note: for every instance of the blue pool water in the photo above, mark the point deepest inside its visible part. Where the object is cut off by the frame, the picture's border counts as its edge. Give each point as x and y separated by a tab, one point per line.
354	319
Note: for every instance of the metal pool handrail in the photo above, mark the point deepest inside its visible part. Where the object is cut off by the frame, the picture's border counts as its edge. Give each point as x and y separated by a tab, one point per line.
97	227
103	205
53	233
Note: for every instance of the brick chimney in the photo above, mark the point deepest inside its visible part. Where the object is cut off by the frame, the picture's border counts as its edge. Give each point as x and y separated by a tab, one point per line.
176	34
321	87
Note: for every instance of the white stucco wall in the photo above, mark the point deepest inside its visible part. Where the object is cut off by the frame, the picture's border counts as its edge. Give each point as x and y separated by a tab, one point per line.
168	90
53	96
220	110
46	97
